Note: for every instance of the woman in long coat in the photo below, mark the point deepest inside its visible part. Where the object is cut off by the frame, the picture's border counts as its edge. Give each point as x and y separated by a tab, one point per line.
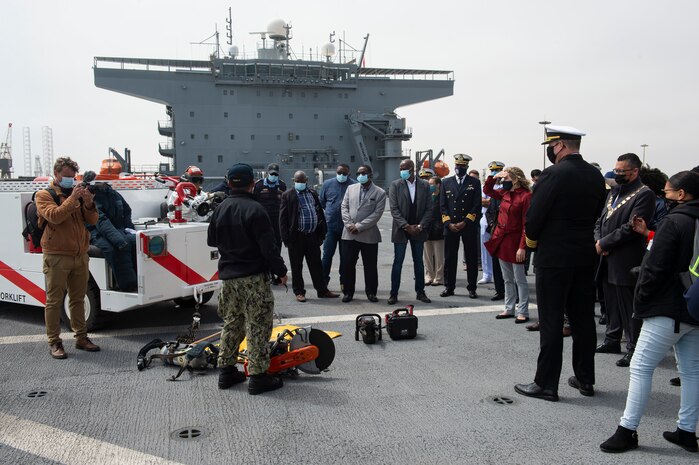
507	243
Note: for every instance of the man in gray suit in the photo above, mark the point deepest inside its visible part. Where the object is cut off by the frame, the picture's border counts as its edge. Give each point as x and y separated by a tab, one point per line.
412	216
362	207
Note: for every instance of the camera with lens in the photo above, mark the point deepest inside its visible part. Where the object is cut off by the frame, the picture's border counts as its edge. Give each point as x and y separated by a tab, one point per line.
88	177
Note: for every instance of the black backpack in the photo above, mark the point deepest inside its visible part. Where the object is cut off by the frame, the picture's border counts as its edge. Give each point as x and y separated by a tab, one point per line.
32	231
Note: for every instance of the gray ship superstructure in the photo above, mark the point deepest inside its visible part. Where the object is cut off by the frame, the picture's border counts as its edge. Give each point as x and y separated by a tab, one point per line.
302	114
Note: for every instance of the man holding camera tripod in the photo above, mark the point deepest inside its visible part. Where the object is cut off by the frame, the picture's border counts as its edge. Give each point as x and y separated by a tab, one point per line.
63	210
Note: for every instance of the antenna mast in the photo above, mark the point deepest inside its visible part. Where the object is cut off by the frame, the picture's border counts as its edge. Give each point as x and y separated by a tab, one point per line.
229	27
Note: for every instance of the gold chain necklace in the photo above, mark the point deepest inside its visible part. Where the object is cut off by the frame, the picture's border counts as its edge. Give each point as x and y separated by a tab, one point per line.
610	210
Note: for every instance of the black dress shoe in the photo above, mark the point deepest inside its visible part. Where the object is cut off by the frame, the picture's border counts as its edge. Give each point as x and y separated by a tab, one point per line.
423	298
447	293
609	348
472	295
623	440
372	298
498	296
625	360
585	389
392	299
347	298
534	390
676	381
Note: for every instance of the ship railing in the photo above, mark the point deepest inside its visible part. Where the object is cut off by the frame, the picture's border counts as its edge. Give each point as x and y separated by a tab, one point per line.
406	74
151	64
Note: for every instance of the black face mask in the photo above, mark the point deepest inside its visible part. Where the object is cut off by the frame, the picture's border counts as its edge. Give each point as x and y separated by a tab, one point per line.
550	155
670	204
461	171
621	179
507	185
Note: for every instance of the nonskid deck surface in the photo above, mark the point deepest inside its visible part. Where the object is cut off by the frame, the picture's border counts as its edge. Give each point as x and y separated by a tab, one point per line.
428	400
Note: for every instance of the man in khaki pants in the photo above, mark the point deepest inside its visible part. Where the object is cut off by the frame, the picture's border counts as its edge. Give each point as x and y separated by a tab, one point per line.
65	243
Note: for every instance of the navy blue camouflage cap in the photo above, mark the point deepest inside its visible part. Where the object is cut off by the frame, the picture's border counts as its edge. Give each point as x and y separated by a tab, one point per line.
240	175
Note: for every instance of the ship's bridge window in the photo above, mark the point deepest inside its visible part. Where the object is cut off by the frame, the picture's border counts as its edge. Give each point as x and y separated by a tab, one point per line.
240	70
275	70
250	70
262	70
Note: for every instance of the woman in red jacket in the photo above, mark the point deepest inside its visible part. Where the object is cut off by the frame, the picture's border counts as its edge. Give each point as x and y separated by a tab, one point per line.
507	242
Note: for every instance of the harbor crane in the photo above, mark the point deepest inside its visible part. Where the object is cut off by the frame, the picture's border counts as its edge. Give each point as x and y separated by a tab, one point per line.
6	154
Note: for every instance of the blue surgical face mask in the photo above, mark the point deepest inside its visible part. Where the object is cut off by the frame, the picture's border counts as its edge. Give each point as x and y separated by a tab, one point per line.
341	178
66	182
300	186
404	174
433	188
362	178
273	178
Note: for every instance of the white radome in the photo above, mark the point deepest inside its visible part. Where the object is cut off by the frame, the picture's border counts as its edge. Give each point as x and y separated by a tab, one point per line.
233	51
276	29
328	50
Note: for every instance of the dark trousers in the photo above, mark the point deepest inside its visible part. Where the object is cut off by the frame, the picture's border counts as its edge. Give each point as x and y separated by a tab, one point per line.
497	277
619	305
370	255
471	239
306	246
122	262
572	289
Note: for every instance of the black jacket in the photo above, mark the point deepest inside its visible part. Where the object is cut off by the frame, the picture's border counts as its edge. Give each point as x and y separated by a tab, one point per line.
436	228
459	201
626	247
564	208
289	217
270	197
241	230
659	291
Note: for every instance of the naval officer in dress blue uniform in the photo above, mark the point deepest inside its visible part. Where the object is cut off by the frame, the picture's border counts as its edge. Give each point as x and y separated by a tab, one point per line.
460	202
560	225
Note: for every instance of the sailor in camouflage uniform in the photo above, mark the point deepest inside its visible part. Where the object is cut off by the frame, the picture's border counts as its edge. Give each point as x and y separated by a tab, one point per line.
460	200
241	230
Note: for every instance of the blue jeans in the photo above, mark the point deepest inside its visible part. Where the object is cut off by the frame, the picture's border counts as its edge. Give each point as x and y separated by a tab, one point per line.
332	239
657	336
416	248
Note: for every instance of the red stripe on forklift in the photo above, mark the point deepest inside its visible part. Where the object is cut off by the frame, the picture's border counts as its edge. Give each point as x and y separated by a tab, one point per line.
179	269
23	283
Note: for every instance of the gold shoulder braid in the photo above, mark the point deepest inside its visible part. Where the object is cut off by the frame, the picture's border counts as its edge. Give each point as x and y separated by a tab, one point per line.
610	210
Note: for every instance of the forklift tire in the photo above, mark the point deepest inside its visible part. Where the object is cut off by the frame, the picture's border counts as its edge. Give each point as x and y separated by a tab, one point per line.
93	313
189	302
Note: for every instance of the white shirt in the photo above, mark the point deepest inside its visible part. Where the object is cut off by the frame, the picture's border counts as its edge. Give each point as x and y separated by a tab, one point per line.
411	189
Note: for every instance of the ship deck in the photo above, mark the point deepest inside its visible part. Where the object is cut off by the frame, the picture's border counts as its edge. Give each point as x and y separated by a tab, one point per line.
423	401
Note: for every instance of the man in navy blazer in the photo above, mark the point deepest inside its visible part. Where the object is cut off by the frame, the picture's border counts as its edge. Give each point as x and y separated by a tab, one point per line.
411	209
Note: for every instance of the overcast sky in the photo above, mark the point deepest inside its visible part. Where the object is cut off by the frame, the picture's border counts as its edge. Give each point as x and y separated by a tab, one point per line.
625	72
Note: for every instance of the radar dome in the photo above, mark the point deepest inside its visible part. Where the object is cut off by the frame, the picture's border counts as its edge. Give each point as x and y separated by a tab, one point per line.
277	29
233	51
328	50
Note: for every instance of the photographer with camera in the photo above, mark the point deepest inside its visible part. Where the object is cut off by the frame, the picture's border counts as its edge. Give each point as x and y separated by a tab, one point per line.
114	233
65	262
